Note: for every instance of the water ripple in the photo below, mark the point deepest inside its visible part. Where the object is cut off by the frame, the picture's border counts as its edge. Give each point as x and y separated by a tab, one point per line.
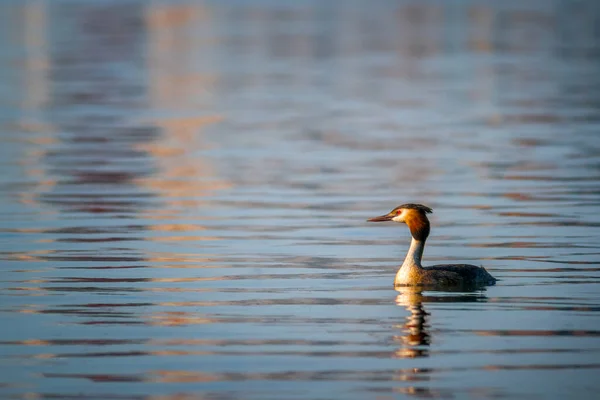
185	187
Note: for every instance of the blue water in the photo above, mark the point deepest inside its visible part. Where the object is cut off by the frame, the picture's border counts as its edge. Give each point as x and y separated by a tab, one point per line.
185	186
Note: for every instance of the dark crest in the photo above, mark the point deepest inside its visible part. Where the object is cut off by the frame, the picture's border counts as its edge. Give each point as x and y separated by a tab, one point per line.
419	207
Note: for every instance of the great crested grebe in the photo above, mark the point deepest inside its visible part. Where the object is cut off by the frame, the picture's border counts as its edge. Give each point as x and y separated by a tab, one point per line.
412	273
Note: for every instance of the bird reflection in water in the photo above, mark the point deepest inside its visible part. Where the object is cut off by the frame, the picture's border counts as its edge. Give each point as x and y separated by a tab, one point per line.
416	337
415	330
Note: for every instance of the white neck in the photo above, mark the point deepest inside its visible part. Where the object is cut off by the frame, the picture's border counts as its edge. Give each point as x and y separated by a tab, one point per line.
414	255
411	267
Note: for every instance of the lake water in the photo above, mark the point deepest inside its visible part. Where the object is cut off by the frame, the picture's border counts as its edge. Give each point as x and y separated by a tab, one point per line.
185	186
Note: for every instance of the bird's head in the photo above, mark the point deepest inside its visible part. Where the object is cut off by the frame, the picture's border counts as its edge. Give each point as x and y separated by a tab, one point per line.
413	215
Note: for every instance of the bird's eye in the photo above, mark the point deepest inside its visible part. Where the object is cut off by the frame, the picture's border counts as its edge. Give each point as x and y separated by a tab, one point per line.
399	212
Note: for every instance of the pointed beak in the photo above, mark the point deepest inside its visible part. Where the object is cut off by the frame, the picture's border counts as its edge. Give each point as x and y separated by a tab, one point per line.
382	218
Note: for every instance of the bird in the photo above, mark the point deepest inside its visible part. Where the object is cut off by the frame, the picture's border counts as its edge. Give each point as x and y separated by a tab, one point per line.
412	273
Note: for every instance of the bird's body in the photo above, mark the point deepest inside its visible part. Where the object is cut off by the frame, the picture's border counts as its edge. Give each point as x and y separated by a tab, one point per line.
412	273
446	275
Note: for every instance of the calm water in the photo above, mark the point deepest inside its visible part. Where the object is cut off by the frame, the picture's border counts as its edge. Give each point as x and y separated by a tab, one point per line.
185	186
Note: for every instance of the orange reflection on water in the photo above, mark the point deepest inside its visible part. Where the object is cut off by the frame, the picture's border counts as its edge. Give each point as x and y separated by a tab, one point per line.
178	318
182	376
180	228
180	93
183	258
177	227
185	238
34	255
35	97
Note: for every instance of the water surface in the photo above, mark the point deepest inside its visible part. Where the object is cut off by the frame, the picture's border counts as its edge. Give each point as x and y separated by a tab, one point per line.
185	186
